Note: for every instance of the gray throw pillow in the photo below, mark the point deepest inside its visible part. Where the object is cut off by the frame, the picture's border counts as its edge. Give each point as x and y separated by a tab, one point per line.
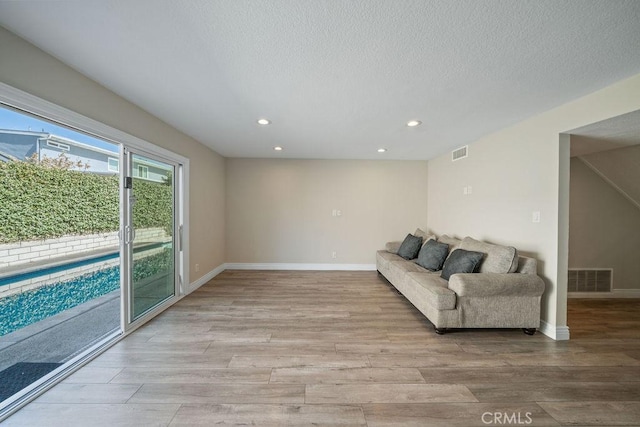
410	247
432	255
461	261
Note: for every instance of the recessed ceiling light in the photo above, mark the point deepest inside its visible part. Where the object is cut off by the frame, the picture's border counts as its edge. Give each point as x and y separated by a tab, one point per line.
382	150
264	122
277	148
414	123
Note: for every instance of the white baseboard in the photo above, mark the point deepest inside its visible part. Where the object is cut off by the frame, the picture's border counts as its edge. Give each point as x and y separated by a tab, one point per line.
299	266
616	293
204	279
558	333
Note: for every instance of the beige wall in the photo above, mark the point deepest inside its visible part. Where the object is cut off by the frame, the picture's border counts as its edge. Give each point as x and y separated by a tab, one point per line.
604	230
280	211
27	68
516	171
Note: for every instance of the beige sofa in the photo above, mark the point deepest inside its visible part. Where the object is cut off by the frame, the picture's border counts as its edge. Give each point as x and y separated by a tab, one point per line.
504	293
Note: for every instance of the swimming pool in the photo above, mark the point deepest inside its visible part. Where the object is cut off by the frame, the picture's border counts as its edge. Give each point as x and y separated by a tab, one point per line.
20	310
23	309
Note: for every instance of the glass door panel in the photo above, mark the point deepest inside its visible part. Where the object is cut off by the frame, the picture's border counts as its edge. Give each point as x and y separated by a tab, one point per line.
150	236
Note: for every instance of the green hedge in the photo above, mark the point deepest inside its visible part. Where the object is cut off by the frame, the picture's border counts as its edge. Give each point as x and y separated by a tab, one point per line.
39	202
153	205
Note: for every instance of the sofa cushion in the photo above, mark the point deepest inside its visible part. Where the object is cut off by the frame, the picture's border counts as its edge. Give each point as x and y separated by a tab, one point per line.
410	247
425	236
527	265
461	261
383	258
404	266
392	247
451	241
432	255
497	258
421	233
433	290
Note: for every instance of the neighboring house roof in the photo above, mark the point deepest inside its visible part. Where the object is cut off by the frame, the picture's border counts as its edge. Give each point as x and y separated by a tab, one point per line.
18	144
6	158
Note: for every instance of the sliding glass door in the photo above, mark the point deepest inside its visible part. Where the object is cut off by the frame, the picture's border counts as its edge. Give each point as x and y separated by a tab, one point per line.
150	244
91	243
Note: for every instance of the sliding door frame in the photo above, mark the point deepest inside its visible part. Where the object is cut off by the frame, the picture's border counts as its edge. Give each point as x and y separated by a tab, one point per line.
30	104
128	319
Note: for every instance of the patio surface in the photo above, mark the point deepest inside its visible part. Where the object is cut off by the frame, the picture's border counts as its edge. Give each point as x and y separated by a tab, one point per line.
61	337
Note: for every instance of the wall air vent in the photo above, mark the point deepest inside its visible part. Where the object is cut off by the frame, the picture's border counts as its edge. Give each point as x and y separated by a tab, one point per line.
459	153
590	280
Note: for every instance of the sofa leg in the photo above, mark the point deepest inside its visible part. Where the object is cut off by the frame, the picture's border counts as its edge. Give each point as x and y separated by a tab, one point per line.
440	331
529	331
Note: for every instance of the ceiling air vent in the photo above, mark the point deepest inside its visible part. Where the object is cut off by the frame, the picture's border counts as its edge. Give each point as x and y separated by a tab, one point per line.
459	153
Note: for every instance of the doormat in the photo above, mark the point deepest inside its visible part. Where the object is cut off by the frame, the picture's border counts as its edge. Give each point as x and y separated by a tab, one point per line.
16	377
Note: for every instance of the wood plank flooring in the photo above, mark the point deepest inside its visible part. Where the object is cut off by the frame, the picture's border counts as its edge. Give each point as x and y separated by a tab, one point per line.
342	348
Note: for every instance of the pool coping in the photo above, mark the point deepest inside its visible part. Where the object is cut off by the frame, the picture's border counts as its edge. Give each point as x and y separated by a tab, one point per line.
56	262
41	265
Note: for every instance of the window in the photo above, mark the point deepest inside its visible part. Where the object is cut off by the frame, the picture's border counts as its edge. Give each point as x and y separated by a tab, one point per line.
113	164
143	171
59	145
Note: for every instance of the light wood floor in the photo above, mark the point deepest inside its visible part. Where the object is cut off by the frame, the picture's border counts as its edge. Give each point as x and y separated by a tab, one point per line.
342	348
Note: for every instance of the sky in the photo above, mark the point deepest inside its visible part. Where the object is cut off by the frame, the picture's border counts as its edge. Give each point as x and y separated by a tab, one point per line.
13	120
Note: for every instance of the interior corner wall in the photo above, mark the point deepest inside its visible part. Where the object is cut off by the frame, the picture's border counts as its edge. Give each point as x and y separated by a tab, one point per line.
515	172
604	229
31	70
281	211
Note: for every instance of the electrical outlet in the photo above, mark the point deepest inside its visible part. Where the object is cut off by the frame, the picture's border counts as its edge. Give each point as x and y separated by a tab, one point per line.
197	267
334	255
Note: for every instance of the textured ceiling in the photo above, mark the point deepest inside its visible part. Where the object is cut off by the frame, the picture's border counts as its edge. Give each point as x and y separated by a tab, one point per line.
338	79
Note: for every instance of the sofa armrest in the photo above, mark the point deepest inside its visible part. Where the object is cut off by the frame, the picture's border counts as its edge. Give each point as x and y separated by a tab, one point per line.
496	284
392	247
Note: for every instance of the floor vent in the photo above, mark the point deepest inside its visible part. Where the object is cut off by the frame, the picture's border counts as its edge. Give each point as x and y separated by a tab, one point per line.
590	280
459	153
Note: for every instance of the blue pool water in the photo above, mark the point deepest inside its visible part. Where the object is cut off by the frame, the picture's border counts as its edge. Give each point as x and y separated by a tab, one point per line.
20	310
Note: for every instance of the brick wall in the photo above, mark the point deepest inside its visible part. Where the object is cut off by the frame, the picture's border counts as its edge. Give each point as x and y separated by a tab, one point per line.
23	253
